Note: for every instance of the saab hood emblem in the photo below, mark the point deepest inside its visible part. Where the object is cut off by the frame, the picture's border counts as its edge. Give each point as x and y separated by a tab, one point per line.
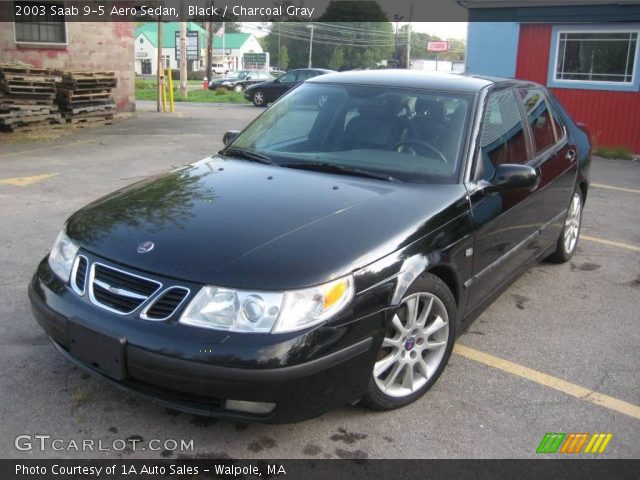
145	247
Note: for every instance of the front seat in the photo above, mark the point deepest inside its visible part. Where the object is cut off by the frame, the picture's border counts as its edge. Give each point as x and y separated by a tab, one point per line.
427	124
375	128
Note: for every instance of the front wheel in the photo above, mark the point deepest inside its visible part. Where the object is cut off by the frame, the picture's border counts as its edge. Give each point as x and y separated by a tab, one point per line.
259	98
568	240
238	88
416	345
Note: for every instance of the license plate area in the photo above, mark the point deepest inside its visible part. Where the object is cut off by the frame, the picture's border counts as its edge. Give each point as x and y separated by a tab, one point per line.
99	351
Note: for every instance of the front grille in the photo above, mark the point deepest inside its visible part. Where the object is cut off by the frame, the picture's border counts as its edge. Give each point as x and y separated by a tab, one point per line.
166	304
79	276
119	291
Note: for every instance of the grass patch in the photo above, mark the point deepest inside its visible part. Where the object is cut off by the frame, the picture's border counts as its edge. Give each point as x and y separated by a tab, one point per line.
146	90
620	153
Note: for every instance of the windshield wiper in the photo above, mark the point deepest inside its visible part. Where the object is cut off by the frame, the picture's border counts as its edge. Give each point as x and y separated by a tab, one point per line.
341	169
247	155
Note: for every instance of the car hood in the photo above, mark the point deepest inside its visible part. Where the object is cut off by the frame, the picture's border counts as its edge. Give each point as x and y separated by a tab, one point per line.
242	224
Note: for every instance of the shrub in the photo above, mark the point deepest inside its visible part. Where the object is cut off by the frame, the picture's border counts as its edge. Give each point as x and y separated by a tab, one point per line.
619	152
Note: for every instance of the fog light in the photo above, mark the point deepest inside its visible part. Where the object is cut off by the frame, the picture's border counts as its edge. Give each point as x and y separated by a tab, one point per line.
249	407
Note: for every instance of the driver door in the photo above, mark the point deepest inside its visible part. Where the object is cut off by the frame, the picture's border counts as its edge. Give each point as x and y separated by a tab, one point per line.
504	222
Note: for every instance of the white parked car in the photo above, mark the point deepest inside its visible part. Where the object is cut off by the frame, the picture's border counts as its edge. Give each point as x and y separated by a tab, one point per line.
219	68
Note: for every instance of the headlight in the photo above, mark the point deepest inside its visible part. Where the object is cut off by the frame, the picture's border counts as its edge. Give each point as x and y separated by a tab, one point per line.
262	312
226	83
62	256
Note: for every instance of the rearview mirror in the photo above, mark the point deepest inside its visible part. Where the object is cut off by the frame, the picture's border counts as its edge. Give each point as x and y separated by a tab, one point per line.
510	176
230	136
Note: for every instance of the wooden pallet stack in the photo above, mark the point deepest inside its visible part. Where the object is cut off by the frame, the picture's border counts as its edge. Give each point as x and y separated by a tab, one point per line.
85	97
27	98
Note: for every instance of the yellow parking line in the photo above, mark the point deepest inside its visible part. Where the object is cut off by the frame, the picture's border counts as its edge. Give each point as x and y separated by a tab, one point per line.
550	381
49	147
24	181
611	187
611	243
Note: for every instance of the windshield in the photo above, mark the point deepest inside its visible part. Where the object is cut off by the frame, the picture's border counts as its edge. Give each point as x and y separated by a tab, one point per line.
411	135
237	75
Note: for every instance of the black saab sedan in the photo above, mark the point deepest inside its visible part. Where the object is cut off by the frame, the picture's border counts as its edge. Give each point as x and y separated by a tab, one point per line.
330	253
262	94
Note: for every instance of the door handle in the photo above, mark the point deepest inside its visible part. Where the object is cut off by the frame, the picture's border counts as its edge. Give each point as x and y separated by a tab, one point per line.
571	155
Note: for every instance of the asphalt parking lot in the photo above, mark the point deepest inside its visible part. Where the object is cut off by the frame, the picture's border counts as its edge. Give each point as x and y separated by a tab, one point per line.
559	351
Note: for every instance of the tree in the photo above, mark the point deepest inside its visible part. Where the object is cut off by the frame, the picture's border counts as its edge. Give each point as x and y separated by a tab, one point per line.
283	58
337	59
363	43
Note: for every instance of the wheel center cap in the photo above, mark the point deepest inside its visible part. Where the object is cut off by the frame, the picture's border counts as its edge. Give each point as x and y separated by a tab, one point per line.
410	343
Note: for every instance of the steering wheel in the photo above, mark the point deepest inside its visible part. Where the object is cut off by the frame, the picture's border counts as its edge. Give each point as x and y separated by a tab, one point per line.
419	143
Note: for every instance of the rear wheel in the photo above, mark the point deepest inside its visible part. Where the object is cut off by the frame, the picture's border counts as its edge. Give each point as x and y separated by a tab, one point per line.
416	346
238	88
568	240
259	98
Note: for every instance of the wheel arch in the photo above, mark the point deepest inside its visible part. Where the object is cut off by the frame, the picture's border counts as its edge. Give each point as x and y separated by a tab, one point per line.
449	277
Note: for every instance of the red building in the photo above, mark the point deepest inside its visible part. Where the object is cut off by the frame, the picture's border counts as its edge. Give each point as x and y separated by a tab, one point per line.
52	42
587	55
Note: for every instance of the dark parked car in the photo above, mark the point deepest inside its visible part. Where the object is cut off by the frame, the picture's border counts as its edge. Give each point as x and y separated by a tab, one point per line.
331	252
238	81
262	94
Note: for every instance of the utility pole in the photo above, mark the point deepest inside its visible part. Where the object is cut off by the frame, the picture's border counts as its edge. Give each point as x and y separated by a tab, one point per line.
183	59
396	18
160	67
209	42
409	35
310	43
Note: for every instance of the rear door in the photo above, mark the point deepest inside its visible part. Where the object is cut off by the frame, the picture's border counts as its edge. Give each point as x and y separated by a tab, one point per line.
503	221
555	160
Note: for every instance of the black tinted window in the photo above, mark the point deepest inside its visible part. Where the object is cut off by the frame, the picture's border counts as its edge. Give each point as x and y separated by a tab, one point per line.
288	77
539	116
503	139
305	74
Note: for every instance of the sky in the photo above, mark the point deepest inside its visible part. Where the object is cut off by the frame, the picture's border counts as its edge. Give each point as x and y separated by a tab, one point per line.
443	30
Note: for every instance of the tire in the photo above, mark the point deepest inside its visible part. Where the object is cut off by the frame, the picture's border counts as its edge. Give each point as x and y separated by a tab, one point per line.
568	239
404	357
259	99
238	88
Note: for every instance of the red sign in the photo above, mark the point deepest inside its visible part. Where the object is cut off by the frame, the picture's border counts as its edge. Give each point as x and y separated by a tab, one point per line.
437	46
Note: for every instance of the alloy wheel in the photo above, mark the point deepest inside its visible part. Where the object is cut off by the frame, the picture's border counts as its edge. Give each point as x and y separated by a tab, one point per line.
414	345
572	224
258	98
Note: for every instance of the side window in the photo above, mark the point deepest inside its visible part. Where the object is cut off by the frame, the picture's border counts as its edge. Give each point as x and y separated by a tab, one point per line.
503	139
539	116
288	77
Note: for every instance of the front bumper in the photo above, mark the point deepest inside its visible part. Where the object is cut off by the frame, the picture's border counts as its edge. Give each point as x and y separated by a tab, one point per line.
304	373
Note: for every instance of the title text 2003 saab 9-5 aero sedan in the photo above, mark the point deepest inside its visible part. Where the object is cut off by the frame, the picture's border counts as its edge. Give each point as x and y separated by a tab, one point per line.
330	253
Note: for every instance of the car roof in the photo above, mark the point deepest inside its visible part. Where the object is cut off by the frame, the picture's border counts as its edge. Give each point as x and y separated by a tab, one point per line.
452	82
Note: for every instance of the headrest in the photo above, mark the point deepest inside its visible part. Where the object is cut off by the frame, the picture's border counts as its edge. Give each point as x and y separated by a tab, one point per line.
429	108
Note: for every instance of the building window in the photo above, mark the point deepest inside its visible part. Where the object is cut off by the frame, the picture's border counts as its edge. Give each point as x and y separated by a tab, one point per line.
167	61
596	57
33	23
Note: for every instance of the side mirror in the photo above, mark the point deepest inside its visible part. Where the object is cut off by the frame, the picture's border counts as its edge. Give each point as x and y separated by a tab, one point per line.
230	136
511	177
247	78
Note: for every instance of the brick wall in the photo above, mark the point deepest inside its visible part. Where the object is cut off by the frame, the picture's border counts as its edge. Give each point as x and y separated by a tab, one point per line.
90	46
